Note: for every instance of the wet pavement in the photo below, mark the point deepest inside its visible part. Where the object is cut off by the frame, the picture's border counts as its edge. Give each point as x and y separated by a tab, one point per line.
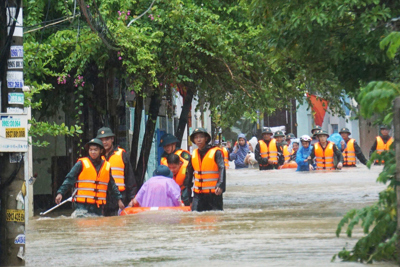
271	218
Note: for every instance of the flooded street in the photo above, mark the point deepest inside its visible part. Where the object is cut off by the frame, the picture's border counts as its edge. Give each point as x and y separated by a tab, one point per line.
274	218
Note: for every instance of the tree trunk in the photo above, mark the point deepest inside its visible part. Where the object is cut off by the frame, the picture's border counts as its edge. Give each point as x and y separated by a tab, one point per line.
136	130
397	149
183	119
148	138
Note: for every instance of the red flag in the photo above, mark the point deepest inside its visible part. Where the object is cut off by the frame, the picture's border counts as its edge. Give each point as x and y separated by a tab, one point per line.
319	107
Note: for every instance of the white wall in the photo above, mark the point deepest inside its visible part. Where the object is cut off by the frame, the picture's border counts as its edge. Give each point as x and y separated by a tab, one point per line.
305	122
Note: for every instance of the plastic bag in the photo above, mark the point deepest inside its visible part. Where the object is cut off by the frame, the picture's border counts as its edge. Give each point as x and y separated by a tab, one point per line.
338	140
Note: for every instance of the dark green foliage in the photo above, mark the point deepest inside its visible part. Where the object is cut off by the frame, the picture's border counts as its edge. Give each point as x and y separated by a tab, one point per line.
379	243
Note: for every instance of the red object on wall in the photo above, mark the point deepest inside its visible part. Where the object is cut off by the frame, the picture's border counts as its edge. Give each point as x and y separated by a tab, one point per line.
319	107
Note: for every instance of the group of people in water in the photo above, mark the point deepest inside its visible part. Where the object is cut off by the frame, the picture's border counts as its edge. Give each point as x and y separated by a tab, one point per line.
319	152
104	182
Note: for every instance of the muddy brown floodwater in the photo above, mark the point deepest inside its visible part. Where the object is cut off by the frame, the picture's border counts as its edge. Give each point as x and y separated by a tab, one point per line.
271	218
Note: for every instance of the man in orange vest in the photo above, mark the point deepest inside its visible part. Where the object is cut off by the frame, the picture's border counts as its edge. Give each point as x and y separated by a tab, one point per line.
382	143
266	151
326	154
289	138
352	150
168	143
121	170
205	173
314	136
93	181
280	141
178	168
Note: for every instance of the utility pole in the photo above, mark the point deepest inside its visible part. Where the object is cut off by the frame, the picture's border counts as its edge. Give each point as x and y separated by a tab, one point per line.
13	136
396	118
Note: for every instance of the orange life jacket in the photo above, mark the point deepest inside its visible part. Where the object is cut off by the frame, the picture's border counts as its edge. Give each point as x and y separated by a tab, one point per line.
179	178
163	160
286	152
225	153
92	186
349	154
118	169
381	146
270	151
324	157
206	174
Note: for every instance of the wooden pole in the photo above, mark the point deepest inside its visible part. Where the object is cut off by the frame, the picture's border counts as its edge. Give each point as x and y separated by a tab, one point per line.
396	117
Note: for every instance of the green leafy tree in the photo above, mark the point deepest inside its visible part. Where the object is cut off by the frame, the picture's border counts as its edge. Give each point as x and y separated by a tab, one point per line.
329	47
379	243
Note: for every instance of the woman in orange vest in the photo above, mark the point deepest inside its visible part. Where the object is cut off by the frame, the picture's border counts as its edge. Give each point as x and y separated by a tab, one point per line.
121	170
205	173
168	142
326	154
92	178
352	150
382	143
178	168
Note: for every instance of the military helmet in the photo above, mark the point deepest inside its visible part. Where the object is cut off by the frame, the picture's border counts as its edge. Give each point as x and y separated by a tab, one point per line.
290	136
167	139
267	130
94	141
345	130
316	128
279	134
384	127
200	130
104	132
322	132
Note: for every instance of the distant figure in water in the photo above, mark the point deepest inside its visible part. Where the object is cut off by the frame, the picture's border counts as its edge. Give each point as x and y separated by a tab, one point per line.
240	151
159	191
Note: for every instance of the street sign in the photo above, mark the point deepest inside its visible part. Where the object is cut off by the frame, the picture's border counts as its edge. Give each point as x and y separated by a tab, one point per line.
16	98
17	51
15	215
13	133
15	79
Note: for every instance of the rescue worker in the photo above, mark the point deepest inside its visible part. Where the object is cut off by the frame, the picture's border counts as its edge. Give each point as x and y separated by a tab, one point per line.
207	170
178	168
121	170
159	191
266	151
289	138
382	143
225	153
240	152
280	141
352	150
169	142
92	179
313	133
327	155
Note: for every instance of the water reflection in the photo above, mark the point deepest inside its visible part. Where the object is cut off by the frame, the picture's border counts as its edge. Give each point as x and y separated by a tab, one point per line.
274	218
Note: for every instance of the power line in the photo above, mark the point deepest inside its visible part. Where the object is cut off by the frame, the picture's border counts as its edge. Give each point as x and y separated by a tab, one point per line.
135	19
51	24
